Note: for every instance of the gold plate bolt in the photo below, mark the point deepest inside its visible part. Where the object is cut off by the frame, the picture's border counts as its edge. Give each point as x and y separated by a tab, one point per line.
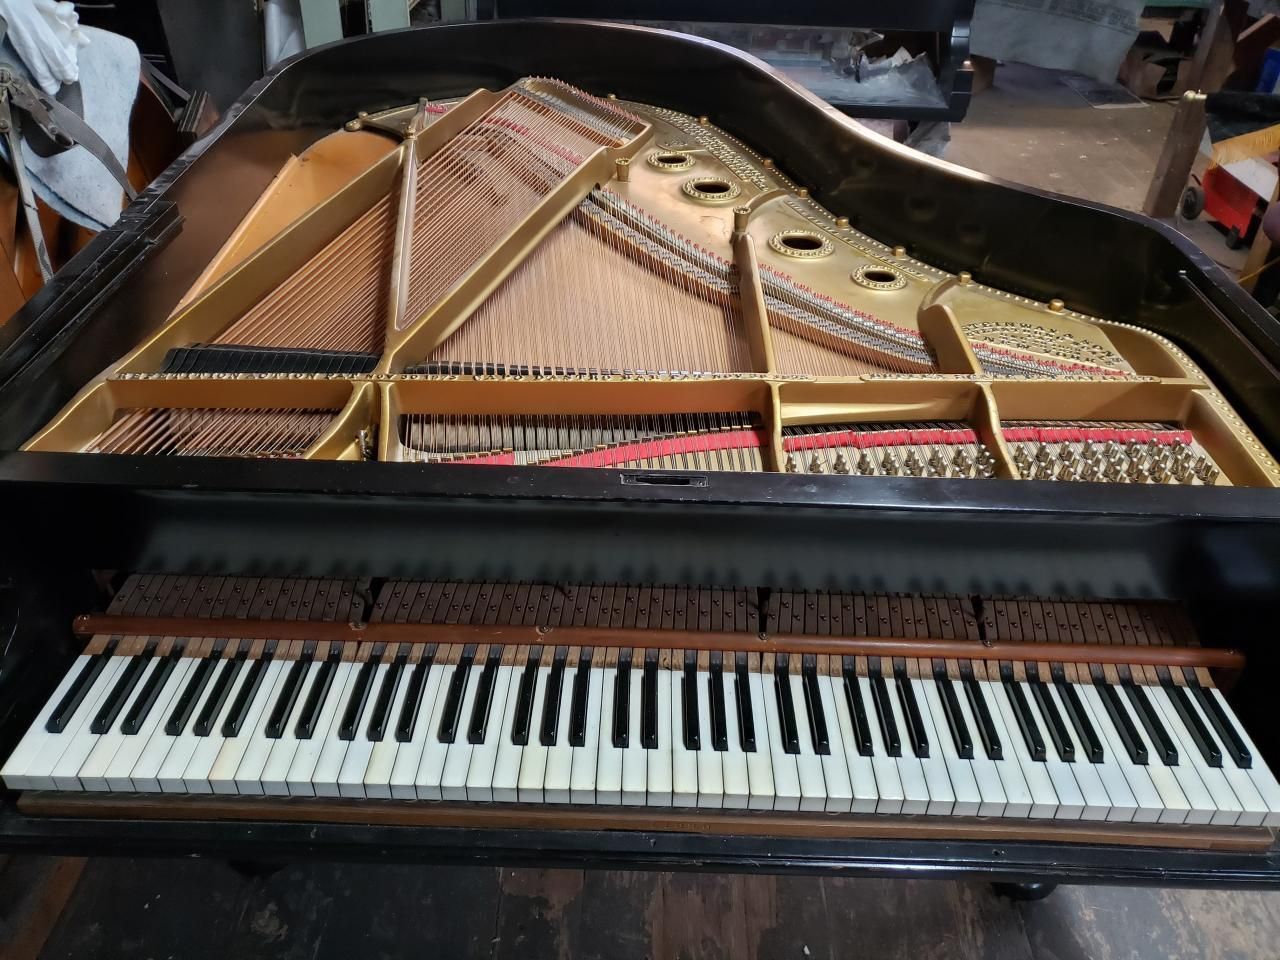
1056	305
622	169
965	276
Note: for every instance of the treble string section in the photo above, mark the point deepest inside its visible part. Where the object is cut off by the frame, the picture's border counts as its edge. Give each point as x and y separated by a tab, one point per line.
204	432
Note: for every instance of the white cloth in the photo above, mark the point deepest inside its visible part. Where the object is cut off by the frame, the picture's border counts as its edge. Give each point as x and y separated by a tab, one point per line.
1085	36
48	38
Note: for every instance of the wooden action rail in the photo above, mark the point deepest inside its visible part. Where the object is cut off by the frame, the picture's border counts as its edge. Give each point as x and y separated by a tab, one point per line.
89	625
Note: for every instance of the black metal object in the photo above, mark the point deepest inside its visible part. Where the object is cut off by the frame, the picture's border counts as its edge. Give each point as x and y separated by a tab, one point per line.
946	22
69	515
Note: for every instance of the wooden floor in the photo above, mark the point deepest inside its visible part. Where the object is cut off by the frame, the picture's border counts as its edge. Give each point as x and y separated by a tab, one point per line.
1028	128
138	909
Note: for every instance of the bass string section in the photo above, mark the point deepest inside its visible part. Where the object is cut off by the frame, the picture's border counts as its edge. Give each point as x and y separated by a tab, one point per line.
680	441
208	432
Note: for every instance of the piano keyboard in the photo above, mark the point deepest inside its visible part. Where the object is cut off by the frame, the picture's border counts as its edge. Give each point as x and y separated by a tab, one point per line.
646	728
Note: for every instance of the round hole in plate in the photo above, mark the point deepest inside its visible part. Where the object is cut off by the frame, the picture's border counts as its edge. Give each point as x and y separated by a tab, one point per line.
873	276
670	161
802	244
711	190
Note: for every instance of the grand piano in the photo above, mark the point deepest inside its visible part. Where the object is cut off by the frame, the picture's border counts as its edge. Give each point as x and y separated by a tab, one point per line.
568	443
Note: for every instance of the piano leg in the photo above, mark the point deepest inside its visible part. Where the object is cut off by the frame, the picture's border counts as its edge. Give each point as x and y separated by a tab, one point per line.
1026	891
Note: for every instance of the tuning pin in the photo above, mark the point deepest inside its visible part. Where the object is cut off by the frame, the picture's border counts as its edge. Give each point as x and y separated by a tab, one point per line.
1210	474
1112	472
866	466
1065	453
935	462
792	465
1134	450
841	464
1158	472
889	464
911	463
1135	473
986	471
816	465
1086	450
1090	470
1067	471
1042	453
1110	450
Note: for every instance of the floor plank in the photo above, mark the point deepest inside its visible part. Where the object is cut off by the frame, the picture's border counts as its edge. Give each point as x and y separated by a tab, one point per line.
703	917
34	891
538	912
621	916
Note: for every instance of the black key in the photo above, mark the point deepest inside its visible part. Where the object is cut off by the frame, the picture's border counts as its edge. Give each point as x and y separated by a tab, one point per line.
746	717
478	727
524	698
622	701
411	706
381	715
306	726
1026	720
578	705
189	697
1133	744
1205	743
649	702
689	700
955	718
447	732
1222	723
1058	733
715	689
551	701
289	695
884	715
1089	738
62	714
248	691
786	709
982	713
359	695
911	713
1160	738
125	683
813	706
858	713
218	695
146	699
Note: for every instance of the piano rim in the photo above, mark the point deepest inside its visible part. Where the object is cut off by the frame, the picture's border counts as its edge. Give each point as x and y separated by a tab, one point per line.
277	841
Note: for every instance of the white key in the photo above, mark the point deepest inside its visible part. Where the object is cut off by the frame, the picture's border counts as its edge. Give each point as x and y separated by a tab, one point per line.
1018	798
223	776
426	782
1070	799
1176	808
835	768
993	801
457	759
737	782
377	774
249	773
1203	807
915	789
609	757
710	765
1253	809
1148	805
813	787
786	779
968	800
659	768
333	749
533	759
37	742
635	765
1227	808
137	762
409	757
1098	804
1263	779
556	786
582	779
1044	801
195	778
889	793
93	772
301	778
859	770
79	740
684	762
760	760
1122	805
484	756
360	748
275	775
